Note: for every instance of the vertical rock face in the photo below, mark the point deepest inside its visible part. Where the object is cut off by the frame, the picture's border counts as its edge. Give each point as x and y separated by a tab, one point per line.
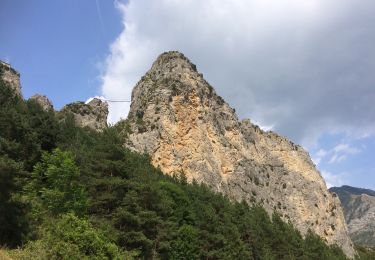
11	76
178	119
43	101
359	211
92	115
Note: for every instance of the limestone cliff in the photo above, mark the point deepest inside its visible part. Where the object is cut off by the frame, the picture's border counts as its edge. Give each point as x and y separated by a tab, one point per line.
359	211
43	101
11	76
178	119
92	115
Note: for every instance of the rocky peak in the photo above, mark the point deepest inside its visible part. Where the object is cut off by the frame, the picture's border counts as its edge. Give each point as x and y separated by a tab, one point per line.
179	120
11	76
172	62
171	75
92	115
43	101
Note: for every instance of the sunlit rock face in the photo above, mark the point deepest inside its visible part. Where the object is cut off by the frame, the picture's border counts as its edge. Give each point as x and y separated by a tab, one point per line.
92	115
43	101
179	120
12	77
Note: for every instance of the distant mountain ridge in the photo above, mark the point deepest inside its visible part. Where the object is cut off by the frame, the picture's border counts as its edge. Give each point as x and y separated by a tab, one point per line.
353	190
359	210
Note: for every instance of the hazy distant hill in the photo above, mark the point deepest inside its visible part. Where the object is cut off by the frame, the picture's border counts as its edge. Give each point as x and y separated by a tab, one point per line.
359	211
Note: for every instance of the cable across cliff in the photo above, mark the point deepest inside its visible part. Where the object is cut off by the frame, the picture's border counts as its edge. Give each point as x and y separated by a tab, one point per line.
114	101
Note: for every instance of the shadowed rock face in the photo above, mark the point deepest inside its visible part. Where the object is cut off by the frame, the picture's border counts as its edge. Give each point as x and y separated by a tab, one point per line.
359	211
92	115
178	118
43	101
12	77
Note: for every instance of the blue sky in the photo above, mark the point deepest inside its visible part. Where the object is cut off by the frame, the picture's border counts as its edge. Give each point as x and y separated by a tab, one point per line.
58	46
301	68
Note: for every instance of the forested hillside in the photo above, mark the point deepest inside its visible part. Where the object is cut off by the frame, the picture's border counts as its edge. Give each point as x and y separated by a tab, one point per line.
73	193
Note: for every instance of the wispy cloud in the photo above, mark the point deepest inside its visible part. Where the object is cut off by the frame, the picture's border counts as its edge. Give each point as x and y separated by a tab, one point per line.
99	12
337	154
334	180
319	155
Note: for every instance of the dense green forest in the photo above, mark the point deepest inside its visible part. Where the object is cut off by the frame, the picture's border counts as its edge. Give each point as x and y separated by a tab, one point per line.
72	193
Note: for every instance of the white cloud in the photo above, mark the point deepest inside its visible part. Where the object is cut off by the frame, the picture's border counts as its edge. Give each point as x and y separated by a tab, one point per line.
337	158
345	148
263	127
334	180
322	153
91	98
337	154
302	67
319	155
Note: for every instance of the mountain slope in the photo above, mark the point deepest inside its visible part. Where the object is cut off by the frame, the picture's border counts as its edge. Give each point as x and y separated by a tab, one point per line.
70	192
178	119
359	211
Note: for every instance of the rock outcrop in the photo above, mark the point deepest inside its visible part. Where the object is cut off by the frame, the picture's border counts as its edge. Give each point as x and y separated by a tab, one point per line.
43	101
11	76
178	118
92	115
359	211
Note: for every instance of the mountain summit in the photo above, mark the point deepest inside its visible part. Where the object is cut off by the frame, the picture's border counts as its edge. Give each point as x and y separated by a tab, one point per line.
179	120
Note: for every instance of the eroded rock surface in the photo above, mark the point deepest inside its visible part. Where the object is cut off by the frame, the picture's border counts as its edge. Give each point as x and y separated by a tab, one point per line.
178	118
43	101
359	211
92	115
11	76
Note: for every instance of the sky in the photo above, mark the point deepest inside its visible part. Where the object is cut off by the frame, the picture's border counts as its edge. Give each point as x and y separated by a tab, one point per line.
304	69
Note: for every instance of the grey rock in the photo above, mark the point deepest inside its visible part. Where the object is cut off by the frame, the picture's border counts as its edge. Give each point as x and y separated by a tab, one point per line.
11	76
43	101
359	211
177	118
92	115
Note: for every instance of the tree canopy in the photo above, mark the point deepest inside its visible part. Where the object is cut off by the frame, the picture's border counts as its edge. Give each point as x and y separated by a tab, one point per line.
72	193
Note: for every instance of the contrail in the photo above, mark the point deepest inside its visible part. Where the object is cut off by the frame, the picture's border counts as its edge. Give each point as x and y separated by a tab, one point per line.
100	16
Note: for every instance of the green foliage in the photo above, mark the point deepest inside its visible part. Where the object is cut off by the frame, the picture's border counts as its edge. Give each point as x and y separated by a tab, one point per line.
315	248
90	197
25	128
55	184
70	237
365	253
186	244
13	223
75	238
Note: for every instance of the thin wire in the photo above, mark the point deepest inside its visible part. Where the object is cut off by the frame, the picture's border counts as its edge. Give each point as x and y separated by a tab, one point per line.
107	100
